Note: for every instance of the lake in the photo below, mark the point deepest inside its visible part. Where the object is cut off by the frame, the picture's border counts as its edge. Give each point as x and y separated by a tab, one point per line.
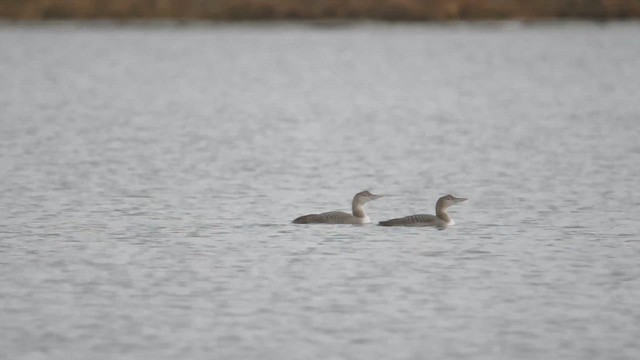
150	173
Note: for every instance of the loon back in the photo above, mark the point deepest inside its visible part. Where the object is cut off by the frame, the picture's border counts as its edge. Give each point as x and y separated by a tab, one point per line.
415	220
332	217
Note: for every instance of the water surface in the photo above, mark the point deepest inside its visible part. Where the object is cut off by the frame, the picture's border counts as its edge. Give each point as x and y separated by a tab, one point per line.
149	176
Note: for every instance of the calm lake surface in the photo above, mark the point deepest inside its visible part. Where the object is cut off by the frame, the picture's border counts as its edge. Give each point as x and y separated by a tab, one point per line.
149	175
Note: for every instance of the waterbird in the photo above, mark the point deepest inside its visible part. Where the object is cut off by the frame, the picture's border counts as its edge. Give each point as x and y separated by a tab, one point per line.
338	217
441	220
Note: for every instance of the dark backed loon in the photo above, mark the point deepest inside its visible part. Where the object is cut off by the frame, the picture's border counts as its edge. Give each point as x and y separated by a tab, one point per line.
338	217
441	220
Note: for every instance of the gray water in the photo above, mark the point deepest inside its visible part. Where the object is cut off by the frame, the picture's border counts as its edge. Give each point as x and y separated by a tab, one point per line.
149	175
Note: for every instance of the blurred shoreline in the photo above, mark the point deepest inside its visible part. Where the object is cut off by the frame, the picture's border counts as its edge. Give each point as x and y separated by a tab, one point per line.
188	23
322	11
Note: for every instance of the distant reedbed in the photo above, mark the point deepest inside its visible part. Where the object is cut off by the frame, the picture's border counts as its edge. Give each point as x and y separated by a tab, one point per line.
400	10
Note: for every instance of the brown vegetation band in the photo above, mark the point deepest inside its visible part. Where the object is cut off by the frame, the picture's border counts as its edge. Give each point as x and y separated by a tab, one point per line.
317	9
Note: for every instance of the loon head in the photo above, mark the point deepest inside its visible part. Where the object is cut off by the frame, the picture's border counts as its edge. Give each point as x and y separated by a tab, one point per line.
364	197
448	200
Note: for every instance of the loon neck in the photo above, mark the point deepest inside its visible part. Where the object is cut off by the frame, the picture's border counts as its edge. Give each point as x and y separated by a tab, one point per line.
358	210
441	213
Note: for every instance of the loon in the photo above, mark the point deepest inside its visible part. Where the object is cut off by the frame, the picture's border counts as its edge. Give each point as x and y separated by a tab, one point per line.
441	220
338	217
